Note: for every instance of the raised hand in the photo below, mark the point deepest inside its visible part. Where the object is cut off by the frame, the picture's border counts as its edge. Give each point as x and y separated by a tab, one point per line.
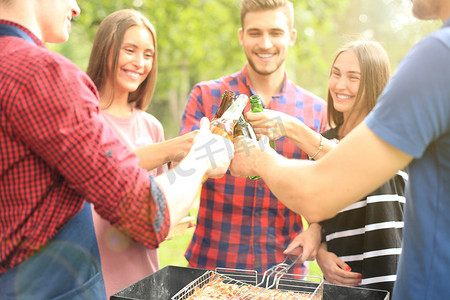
246	156
213	149
270	123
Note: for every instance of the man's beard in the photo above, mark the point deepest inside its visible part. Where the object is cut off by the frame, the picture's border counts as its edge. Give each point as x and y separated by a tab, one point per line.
263	72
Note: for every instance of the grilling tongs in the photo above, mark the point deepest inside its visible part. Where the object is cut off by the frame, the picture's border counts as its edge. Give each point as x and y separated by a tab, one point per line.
272	276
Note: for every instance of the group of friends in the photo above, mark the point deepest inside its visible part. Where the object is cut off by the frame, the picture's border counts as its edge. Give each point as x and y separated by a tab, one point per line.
87	197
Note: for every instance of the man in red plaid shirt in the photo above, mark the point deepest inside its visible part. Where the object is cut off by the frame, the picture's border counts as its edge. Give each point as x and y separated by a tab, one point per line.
241	224
56	154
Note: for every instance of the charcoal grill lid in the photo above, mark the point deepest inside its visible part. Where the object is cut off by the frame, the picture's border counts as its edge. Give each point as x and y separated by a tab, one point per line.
162	284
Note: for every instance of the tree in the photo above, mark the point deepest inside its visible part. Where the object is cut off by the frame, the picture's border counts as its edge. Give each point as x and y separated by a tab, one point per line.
198	40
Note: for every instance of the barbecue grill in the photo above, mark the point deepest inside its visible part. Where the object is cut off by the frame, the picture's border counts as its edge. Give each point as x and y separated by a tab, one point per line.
167	282
225	283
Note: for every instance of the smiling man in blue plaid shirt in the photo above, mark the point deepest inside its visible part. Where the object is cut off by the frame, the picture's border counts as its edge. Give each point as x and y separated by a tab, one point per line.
241	224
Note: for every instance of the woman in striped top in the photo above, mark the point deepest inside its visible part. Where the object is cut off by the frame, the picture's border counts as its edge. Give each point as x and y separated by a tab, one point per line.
365	237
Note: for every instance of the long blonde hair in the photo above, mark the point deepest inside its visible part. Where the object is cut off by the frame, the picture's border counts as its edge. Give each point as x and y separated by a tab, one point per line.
108	41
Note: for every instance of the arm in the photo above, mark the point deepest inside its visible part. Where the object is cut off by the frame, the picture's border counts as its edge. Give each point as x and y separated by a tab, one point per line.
275	125
318	190
158	154
84	155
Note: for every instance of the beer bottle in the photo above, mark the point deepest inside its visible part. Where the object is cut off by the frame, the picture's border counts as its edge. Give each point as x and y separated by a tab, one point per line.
244	128
255	102
224	126
227	99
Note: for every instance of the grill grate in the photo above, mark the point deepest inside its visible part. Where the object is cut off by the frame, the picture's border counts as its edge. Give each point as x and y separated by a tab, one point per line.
224	283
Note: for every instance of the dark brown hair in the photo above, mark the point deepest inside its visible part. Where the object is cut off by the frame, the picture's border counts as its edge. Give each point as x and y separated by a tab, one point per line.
107	44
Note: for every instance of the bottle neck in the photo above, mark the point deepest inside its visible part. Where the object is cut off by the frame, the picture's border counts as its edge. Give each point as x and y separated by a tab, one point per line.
255	102
227	99
236	108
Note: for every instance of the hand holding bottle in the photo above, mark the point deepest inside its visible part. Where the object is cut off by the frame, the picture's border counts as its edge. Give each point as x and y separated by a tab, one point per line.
211	151
249	156
271	123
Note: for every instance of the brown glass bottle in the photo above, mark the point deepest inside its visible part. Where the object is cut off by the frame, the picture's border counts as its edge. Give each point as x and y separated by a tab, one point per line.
227	99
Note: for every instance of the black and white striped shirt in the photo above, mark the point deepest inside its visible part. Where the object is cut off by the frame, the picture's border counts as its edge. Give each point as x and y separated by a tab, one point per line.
367	235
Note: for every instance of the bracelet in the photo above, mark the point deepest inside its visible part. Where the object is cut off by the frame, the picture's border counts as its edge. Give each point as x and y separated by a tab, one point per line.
320	148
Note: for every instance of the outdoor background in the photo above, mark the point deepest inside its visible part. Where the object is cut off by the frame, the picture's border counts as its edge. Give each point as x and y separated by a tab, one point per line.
198	40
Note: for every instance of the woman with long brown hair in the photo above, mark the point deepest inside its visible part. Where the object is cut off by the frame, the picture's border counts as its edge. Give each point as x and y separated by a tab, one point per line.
123	65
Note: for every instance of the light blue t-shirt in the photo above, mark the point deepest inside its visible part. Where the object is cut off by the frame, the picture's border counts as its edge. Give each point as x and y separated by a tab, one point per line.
413	115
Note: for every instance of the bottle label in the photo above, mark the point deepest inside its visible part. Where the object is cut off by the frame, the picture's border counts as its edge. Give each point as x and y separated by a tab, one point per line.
219	131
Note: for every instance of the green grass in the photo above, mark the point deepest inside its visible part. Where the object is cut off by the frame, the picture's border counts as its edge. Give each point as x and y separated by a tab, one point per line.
314	269
171	252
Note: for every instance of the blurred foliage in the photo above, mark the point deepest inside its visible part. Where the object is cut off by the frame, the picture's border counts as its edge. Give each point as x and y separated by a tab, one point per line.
198	40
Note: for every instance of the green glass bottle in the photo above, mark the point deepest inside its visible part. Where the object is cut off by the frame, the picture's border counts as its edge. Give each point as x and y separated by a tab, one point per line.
255	102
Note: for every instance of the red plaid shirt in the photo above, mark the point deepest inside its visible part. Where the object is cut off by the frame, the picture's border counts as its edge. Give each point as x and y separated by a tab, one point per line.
56	153
241	224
